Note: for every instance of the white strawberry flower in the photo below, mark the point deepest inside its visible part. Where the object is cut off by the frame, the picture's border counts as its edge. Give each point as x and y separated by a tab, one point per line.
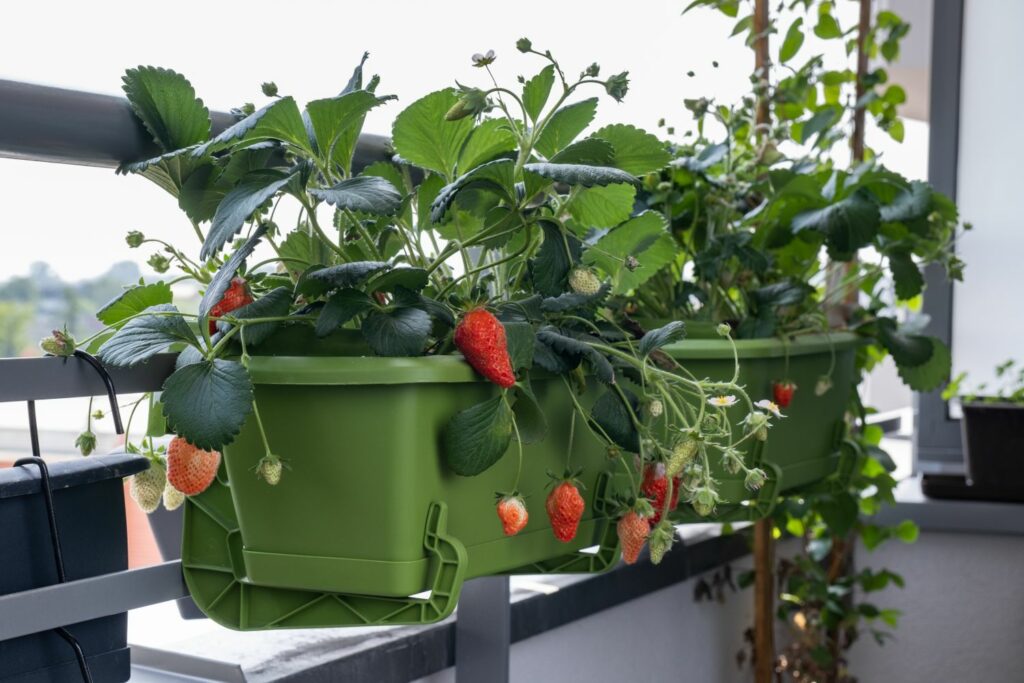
483	59
770	406
724	401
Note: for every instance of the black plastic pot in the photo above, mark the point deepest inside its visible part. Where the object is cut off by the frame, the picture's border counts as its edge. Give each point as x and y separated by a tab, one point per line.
993	438
88	504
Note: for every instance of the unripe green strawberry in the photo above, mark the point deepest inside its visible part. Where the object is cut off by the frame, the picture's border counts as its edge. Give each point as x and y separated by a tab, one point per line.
655	408
661	540
173	498
755	479
147	487
682	453
86	442
565	507
583	281
269	469
633	531
481	339
704	501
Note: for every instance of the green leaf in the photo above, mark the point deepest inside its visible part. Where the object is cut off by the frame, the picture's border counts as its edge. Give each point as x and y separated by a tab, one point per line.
490	139
367	194
565	125
792	42
839	512
280	120
400	332
591	151
422	136
567	301
336	122
929	375
301	246
413	279
848	225
207	402
573	351
910	205
495	176
556	256
580	174
827	27
167	105
476	438
909	350
906	531
906	275
613	418
645	238
636	151
821	120
530	419
603	207
346	274
222	278
536	91
520	339
134	300
341	307
663	336
274	304
143	337
236	207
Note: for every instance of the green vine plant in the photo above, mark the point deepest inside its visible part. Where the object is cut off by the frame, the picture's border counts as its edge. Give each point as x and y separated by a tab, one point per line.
774	236
1008	386
494	205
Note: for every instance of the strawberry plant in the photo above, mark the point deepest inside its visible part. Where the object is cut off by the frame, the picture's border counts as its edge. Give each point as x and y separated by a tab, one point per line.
500	228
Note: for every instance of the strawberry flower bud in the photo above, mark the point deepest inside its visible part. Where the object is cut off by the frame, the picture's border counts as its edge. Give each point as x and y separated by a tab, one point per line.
755	479
60	343
269	89
159	263
134	239
723	330
704	501
524	45
617	86
472	103
86	442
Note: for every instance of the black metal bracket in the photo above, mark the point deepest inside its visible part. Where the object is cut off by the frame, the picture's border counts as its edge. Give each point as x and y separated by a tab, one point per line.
51	516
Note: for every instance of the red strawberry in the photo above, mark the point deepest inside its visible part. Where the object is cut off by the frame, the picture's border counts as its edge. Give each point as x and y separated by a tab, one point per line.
190	469
512	513
238	295
655	486
481	339
565	509
633	531
782	392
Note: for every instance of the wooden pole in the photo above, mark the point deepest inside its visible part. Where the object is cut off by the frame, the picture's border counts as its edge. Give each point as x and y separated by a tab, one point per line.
863	27
764	550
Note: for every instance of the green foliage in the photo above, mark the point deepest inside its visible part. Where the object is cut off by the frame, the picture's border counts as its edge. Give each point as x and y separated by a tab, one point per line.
478	436
207	402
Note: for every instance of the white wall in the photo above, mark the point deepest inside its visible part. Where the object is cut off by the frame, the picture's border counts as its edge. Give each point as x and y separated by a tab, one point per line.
963	611
989	305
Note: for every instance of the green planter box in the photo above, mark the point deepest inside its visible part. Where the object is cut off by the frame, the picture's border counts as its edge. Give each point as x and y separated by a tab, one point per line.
368	513
805	446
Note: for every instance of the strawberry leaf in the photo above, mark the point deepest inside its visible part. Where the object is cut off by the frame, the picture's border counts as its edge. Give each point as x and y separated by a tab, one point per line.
613	419
655	339
273	304
132	301
520	340
207	402
929	375
343	305
367	194
581	174
143	337
238	205
222	278
476	438
401	332
530	420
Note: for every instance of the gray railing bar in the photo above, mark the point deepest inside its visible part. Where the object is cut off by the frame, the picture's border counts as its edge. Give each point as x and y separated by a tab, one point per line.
43	123
41	609
23	379
483	631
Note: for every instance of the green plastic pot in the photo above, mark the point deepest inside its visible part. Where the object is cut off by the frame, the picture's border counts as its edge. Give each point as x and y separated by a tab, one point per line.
367	513
806	445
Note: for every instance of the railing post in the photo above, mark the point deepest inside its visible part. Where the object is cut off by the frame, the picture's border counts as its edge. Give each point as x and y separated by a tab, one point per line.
483	631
